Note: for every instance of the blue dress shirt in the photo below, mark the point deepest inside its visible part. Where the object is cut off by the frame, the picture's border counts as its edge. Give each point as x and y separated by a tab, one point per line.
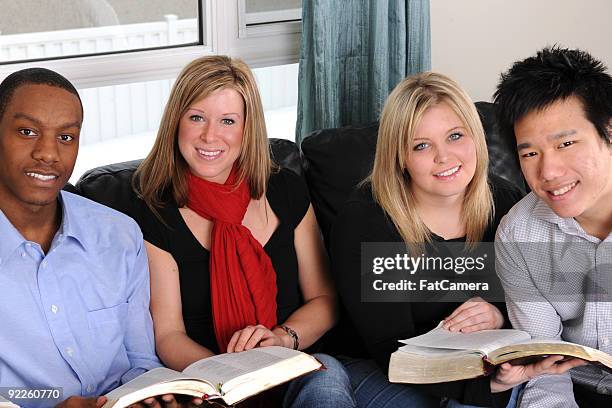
76	317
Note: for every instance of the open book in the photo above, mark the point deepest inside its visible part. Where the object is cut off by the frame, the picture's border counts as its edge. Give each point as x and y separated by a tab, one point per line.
230	377
441	355
4	403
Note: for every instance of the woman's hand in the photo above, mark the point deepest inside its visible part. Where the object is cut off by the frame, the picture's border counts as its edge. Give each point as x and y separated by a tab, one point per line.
508	376
258	336
474	315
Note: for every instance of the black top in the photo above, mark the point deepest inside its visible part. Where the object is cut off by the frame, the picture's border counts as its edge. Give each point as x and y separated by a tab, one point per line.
382	324
288	197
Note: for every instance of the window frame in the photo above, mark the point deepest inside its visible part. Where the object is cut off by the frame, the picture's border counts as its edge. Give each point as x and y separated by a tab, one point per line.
269	22
275	45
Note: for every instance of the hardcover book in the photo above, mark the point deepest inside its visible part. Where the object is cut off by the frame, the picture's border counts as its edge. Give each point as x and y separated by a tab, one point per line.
442	356
230	377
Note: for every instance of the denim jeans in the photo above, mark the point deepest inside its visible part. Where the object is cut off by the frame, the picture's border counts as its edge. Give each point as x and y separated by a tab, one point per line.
451	403
373	390
512	403
326	388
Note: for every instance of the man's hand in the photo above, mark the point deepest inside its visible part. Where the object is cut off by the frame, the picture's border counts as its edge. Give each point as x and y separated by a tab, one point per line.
474	315
257	336
167	401
81	402
508	376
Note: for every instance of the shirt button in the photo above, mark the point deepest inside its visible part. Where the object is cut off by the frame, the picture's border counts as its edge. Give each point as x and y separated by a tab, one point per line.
90	388
606	341
603	391
28	244
44	264
69	351
23	254
54	309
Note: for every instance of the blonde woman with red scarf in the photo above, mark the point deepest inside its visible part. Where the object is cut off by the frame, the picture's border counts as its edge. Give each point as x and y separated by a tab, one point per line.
234	248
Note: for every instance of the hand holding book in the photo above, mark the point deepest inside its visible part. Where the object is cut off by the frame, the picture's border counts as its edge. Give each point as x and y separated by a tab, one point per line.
509	375
441	356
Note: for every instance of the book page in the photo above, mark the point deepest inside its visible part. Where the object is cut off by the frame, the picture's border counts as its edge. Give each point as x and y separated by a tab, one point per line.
432	352
439	365
4	403
155	376
158	381
220	369
257	381
483	341
543	347
546	341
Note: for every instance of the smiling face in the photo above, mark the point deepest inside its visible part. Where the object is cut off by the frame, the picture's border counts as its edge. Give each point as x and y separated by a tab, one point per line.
564	160
442	155
39	134
210	134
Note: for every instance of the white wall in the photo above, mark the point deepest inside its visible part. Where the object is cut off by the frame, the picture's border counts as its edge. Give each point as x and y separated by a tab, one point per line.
473	41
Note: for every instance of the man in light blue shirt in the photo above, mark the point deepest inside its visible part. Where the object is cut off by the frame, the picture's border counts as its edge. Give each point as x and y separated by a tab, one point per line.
74	283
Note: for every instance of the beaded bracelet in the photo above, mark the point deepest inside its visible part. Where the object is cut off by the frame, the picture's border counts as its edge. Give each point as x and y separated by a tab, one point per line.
292	333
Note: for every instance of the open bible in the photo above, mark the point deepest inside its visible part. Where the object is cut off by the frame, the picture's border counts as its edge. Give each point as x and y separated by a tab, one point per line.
231	377
441	355
4	403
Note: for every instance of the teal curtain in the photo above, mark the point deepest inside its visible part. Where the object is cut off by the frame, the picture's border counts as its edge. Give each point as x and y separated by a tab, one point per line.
353	53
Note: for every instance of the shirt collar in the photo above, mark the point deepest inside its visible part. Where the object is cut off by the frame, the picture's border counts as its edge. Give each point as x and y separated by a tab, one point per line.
73	225
11	238
567	225
73	222
545	213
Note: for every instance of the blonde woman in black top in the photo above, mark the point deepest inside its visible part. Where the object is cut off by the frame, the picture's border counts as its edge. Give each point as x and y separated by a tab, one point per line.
429	185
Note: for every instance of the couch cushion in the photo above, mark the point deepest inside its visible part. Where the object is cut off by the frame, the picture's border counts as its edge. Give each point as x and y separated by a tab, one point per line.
286	154
111	185
503	158
70	188
336	160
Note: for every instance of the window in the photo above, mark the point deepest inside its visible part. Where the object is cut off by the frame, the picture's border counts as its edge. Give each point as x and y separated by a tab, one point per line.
120	123
77	27
262	17
271	11
219	32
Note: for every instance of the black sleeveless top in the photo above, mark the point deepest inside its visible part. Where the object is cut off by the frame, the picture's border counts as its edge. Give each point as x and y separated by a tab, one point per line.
288	197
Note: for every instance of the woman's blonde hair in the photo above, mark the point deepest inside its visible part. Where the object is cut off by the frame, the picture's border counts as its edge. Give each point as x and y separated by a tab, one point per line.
165	167
390	180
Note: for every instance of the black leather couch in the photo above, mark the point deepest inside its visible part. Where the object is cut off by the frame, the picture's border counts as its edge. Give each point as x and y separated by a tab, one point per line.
333	161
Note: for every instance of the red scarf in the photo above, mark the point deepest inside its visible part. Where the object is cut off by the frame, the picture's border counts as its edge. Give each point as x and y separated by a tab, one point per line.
242	278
